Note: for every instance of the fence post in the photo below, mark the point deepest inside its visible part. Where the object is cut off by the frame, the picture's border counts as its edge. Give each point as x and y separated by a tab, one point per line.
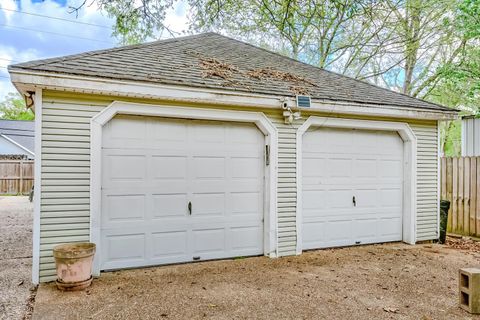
455	227
473	194
21	177
461	199
449	185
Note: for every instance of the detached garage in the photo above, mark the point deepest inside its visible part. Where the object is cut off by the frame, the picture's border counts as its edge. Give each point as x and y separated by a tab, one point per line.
204	147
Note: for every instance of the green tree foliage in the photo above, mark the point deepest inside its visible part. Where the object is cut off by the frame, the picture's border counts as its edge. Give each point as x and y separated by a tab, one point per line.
13	108
459	85
424	48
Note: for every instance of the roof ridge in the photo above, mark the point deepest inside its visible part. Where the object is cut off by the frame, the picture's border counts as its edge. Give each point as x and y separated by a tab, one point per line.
334	73
36	63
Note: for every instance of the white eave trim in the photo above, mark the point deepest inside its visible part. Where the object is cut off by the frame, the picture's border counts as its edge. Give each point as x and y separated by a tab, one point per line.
28	80
16	144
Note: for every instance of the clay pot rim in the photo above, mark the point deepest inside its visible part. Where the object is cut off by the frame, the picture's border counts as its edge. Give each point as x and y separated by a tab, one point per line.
74	250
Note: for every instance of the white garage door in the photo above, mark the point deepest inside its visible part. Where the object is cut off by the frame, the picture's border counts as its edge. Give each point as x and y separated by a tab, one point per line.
180	190
352	187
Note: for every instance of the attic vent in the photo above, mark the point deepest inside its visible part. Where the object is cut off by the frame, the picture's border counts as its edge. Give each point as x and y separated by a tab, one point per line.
303	101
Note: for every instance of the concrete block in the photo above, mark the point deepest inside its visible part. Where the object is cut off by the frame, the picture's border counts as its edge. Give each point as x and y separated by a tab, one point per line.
469	289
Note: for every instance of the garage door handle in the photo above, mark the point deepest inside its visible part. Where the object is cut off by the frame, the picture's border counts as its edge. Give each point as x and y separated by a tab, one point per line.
189	208
354	201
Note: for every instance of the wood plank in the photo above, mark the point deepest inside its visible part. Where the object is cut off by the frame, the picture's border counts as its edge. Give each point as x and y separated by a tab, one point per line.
477	209
460	176
16	176
473	194
466	196
455	195
443	178
449	187
20	188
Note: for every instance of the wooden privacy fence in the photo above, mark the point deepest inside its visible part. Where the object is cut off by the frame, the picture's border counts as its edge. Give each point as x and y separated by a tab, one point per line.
16	176
460	184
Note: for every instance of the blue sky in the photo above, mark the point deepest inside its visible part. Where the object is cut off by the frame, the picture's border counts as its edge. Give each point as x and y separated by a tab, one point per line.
25	37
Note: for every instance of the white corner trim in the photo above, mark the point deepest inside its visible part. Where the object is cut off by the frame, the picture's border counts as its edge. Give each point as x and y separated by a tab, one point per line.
16	144
439	175
410	165
25	80
118	107
38	189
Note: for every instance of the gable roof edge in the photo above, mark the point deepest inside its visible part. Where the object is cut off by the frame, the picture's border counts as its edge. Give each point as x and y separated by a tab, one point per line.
26	80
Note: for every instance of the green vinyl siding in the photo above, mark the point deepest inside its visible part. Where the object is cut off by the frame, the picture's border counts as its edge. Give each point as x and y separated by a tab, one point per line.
65	201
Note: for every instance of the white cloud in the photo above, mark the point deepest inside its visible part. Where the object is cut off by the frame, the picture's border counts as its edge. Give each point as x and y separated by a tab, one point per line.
176	18
18	44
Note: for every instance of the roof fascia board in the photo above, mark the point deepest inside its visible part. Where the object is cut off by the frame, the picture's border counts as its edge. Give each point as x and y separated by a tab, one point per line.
29	80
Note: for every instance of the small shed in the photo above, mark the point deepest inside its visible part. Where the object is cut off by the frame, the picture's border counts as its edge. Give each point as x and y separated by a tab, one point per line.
205	147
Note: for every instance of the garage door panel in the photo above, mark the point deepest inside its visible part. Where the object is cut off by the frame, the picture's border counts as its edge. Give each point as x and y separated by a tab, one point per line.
168	167
166	186
233	185
390	168
247	238
339	198
313	235
366	229
124	207
168	133
365	168
246	203
354	164
208	240
173	244
339	231
366	198
124	247
314	199
391	198
339	167
208	167
391	226
169	205
243	167
313	167
218	167
208	204
208	134
241	137
123	132
125	167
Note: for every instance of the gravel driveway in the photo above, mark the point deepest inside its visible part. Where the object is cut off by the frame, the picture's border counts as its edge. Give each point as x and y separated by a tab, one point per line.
15	256
392	281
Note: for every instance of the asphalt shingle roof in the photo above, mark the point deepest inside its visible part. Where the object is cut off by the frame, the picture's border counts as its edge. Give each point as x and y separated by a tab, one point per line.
211	60
22	132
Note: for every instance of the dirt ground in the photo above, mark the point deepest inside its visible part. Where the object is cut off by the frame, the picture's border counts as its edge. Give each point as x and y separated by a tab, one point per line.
391	281
15	256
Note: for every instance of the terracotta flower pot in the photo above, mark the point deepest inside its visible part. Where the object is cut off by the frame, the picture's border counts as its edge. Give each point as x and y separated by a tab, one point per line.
73	262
